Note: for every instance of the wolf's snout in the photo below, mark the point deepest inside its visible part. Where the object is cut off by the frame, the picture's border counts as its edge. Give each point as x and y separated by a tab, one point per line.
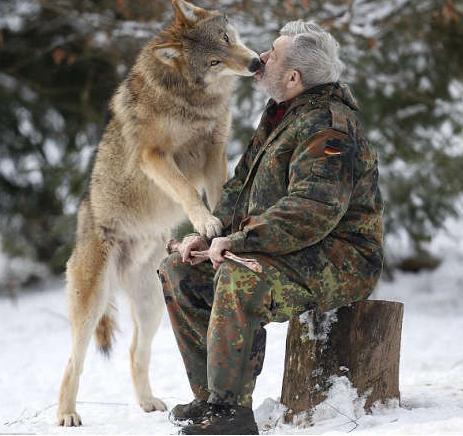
255	65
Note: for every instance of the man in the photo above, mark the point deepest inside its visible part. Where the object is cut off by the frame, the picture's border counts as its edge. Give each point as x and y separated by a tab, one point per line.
304	202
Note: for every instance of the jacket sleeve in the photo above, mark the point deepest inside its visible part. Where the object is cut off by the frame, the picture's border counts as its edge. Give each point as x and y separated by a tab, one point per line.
320	183
232	188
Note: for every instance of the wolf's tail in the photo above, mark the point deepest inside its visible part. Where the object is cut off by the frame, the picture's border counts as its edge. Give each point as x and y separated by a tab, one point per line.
104	333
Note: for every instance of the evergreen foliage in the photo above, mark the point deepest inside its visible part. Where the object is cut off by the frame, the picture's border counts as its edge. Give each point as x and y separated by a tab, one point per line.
60	61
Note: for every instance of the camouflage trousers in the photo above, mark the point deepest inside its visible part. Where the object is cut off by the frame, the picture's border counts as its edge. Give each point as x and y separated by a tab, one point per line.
218	319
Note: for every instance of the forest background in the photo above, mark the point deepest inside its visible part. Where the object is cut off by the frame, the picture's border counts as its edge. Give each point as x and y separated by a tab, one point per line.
61	60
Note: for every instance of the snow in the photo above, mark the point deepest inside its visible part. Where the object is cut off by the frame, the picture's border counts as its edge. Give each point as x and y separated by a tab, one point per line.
321	329
35	347
13	14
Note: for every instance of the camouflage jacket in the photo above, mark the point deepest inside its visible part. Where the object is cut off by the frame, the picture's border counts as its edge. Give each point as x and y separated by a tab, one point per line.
305	197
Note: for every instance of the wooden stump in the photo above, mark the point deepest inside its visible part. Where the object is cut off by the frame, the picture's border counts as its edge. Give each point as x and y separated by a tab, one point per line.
360	341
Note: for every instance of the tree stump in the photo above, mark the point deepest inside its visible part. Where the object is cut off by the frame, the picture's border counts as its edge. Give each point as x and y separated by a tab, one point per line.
360	341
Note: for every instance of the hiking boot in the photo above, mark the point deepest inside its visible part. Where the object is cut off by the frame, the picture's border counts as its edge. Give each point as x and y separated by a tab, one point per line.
193	411
224	419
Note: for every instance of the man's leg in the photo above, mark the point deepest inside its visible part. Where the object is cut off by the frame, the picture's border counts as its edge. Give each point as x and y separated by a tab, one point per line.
188	292
244	302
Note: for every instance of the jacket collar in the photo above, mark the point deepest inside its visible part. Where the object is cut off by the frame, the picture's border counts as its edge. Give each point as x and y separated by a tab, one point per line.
311	96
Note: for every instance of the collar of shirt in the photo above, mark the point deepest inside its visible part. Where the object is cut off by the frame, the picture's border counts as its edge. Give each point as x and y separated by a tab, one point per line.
276	112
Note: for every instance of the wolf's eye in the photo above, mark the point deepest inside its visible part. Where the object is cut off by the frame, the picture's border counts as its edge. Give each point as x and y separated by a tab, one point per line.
226	38
214	63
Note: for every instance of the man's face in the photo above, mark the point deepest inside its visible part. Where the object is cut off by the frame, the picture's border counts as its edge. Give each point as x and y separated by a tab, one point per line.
273	76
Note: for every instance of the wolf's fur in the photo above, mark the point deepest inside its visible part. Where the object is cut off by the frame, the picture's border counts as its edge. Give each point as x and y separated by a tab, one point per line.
164	145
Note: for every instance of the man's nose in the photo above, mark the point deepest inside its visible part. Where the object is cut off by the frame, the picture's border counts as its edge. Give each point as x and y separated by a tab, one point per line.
263	57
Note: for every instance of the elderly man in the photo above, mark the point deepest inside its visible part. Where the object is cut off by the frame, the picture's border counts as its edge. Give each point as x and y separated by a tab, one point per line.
304	202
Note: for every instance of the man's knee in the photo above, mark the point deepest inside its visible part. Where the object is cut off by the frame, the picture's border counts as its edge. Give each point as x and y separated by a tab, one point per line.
227	274
238	285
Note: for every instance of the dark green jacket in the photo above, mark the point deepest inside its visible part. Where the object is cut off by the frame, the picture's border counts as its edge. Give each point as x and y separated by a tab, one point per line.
305	197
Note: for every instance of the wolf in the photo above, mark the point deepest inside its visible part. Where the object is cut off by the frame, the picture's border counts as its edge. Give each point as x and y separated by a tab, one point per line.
164	147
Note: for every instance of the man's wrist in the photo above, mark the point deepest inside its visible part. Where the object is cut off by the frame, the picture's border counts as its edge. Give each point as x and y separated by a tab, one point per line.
237	241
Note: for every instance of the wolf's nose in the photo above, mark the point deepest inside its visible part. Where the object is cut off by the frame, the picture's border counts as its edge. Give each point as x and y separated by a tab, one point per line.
254	66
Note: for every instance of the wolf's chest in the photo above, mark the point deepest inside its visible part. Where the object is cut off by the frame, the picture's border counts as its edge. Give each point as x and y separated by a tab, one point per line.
189	132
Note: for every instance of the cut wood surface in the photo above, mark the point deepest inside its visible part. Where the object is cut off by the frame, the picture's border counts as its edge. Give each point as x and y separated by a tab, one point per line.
360	341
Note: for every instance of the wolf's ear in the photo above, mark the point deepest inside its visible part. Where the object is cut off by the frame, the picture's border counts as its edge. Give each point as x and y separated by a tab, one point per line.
168	53
187	14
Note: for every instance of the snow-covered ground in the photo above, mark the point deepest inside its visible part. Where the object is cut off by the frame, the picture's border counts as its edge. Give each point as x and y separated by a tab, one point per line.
34	346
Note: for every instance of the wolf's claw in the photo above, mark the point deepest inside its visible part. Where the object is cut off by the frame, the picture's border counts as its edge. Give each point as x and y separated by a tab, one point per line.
69	419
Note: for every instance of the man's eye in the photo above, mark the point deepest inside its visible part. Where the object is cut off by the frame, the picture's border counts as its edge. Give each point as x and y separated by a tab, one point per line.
226	38
214	63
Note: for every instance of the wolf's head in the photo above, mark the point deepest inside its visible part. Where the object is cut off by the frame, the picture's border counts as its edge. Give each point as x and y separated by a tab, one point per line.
203	46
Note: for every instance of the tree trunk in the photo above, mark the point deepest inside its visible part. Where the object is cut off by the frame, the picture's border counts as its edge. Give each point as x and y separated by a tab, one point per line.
360	341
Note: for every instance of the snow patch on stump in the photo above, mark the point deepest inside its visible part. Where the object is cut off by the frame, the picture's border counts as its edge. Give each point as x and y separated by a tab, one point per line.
319	325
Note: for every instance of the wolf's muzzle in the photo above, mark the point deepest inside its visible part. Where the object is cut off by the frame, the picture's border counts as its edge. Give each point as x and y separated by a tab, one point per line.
255	65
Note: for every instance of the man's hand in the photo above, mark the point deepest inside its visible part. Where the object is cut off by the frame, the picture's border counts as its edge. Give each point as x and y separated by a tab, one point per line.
217	249
192	243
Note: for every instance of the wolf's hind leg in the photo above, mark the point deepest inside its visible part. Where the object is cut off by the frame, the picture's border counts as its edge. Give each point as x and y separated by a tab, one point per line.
147	305
88	299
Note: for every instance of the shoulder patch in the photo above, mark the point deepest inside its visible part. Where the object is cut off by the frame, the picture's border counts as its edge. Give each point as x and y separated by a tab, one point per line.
324	143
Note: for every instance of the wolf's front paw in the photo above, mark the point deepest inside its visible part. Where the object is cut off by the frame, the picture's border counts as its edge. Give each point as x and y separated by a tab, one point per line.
210	228
152	404
206	224
71	419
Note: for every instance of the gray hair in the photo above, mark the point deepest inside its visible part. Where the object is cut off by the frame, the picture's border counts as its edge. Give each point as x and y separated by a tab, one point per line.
314	53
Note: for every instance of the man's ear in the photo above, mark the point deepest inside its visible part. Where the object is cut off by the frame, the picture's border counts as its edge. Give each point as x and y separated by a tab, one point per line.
187	14
168	53
295	79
